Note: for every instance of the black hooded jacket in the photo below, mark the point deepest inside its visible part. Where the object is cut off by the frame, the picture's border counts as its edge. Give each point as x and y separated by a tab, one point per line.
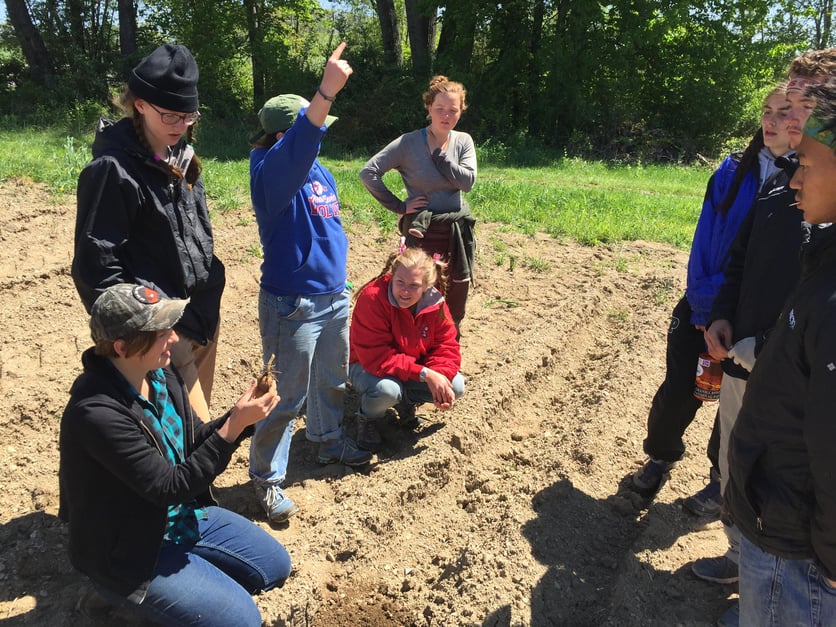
764	263
782	453
115	481
136	223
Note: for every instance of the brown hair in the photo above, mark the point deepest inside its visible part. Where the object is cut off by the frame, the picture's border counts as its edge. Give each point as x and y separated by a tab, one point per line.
749	160
265	141
137	343
814	63
125	101
440	84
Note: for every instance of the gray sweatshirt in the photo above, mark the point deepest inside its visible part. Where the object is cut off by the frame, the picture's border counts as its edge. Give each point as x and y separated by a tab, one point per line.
441	178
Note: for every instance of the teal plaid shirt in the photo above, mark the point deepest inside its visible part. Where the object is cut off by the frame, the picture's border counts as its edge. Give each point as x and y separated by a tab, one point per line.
167	426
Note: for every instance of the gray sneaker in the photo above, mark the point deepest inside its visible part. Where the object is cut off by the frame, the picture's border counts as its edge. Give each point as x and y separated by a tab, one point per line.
715	569
277	505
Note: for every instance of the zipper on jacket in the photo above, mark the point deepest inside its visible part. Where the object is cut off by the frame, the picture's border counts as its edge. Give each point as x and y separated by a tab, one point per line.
153	439
759	524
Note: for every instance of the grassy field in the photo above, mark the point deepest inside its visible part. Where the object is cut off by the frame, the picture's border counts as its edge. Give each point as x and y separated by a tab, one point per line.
590	202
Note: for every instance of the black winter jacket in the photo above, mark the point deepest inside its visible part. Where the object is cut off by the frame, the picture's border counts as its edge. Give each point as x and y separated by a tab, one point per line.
136	223
115	482
763	264
782	453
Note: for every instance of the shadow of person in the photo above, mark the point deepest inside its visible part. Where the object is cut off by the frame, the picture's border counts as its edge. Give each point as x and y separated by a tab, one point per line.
38	585
595	572
580	540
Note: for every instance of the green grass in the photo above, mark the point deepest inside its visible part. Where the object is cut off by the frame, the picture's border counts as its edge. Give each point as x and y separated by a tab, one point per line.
590	202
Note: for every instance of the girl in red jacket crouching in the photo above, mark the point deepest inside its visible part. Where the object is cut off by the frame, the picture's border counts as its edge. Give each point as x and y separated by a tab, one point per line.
403	344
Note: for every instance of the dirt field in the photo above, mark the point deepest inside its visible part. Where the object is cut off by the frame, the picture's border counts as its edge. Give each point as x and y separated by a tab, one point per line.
503	511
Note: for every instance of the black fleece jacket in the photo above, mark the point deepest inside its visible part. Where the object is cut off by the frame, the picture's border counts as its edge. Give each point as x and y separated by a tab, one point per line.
115	482
782	454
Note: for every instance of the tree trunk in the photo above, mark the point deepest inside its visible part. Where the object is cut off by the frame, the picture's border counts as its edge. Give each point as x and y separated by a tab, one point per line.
31	43
390	31
75	10
534	73
253	9
127	27
420	27
456	40
827	14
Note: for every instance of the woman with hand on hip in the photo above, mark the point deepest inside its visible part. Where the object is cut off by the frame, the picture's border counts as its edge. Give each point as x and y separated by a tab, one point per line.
437	165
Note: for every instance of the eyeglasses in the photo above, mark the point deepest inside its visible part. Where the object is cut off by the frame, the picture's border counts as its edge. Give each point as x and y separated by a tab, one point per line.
175	118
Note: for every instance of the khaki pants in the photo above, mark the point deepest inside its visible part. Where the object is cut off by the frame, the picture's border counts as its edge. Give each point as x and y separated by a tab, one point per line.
731	399
196	364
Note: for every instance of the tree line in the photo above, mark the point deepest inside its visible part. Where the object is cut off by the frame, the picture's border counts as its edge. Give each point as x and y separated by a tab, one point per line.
626	79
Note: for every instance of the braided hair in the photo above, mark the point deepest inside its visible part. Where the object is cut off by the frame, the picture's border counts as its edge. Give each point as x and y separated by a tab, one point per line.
748	160
125	101
435	272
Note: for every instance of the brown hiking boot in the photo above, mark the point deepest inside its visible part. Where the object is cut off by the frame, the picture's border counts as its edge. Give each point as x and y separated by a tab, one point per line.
368	435
406	415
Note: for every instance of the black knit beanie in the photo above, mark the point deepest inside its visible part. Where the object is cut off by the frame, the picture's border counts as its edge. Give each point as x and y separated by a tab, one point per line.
167	78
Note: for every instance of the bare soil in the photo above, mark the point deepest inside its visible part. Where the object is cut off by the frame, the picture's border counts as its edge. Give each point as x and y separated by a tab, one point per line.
505	510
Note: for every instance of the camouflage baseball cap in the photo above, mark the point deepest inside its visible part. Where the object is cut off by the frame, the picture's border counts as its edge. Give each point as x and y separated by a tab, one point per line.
125	309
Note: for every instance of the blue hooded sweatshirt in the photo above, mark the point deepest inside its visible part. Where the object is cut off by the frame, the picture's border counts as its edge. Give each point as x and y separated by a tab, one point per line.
715	233
298	214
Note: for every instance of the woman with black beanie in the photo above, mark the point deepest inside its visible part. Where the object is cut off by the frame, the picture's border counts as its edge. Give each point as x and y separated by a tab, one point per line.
142	214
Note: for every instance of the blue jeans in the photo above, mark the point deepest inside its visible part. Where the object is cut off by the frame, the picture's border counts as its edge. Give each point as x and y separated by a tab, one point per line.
782	592
211	582
377	394
309	337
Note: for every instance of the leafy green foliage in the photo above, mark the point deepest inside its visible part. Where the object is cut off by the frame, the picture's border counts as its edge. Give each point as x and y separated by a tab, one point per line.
626	80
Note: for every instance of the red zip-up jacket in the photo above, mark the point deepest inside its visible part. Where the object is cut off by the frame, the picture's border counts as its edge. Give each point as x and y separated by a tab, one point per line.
388	341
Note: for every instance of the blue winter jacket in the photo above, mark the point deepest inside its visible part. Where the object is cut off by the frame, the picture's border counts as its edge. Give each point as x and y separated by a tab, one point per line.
298	214
714	235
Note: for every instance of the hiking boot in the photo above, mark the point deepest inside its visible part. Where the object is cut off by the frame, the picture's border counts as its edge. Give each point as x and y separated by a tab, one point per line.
708	501
731	617
649	478
406	415
715	569
277	505
368	434
342	451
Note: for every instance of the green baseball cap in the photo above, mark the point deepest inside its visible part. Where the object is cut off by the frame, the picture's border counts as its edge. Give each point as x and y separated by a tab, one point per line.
124	309
279	113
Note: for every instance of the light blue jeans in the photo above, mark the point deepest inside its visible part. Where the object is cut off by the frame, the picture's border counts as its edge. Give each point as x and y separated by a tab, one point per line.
309	337
782	592
211	582
377	394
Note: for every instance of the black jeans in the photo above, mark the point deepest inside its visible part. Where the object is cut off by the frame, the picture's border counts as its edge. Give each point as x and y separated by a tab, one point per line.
674	406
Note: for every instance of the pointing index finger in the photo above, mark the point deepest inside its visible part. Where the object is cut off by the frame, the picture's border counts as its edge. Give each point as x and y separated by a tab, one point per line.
335	56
